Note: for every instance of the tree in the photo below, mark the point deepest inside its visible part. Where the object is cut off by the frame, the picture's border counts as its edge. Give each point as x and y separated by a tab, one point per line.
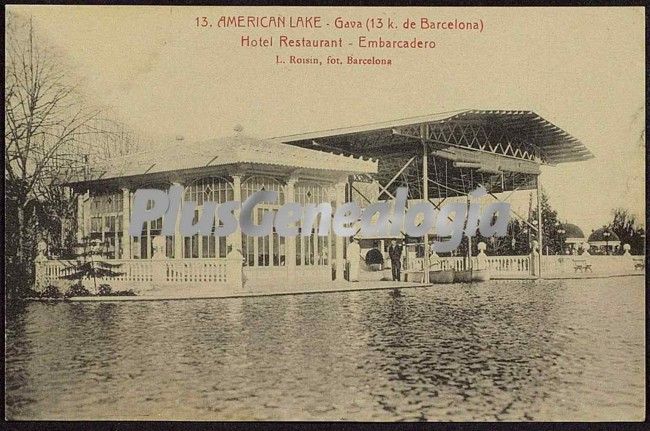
52	135
89	265
520	235
624	226
44	114
514	243
552	240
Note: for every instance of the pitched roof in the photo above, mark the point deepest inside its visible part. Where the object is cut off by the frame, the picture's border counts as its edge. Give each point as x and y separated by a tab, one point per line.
232	150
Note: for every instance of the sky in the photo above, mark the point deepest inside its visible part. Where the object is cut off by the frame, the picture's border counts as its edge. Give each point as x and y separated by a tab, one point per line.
583	69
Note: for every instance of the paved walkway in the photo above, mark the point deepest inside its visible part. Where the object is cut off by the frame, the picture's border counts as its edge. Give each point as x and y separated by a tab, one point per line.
193	292
174	293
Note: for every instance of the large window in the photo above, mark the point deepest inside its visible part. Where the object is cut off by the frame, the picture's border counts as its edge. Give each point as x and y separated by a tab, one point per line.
264	250
206	190
312	249
106	214
142	246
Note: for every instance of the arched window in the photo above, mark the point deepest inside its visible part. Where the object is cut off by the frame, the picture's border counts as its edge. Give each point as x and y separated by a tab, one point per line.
313	249
212	189
264	250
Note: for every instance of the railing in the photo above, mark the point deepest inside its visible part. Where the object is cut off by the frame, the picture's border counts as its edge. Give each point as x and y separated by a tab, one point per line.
506	265
51	270
138	271
201	270
516	266
597	264
513	265
144	273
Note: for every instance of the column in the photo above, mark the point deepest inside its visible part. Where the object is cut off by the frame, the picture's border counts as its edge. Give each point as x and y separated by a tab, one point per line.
340	259
425	198
290	241
126	223
178	239
234	239
80	218
86	213
235	256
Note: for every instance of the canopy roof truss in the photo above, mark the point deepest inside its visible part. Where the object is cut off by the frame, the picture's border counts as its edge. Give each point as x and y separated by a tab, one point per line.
474	136
446	180
501	150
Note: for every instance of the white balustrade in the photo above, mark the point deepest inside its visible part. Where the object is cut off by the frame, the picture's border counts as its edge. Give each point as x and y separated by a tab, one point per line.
598	264
139	271
213	271
509	264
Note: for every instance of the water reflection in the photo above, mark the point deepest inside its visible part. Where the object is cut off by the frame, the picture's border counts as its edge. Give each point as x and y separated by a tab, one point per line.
569	350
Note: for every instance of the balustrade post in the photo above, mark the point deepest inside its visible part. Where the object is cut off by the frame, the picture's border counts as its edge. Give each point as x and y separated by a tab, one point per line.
40	266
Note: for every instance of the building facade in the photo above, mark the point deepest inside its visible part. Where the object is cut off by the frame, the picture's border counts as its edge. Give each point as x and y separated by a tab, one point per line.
221	170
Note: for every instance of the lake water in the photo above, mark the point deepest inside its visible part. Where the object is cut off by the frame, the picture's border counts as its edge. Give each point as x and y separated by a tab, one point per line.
510	350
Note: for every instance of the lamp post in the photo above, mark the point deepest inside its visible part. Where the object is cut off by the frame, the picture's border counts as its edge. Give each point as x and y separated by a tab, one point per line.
606	234
561	232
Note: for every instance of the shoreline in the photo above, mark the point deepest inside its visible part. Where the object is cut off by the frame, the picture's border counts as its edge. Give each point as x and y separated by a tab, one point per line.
202	293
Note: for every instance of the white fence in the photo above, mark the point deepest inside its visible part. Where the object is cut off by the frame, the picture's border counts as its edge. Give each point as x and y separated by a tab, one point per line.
139	274
614	265
134	272
510	265
552	266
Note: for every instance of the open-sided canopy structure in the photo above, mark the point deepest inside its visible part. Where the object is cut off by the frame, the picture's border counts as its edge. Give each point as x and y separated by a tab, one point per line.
501	150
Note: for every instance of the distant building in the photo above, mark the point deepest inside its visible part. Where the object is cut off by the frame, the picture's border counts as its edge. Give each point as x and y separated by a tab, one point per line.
604	241
574	237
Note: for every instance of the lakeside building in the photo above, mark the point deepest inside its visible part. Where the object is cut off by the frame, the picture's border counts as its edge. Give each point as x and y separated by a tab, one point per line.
604	241
573	237
218	170
440	158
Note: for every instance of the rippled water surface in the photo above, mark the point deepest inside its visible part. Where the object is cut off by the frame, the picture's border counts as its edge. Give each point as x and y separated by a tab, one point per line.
571	350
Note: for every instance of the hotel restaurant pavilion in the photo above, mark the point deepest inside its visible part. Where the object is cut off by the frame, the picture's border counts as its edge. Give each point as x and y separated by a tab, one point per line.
438	156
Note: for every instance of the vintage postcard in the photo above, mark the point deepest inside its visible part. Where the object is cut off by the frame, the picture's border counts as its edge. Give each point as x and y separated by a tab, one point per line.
324	213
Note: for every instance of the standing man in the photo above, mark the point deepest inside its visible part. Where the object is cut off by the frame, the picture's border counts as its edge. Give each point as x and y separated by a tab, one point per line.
354	258
395	254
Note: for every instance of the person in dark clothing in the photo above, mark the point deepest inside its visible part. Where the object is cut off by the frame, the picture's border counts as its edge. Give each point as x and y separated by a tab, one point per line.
395	254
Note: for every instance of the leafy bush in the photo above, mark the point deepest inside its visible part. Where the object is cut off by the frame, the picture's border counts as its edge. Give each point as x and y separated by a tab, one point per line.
51	292
129	292
104	290
77	290
31	293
